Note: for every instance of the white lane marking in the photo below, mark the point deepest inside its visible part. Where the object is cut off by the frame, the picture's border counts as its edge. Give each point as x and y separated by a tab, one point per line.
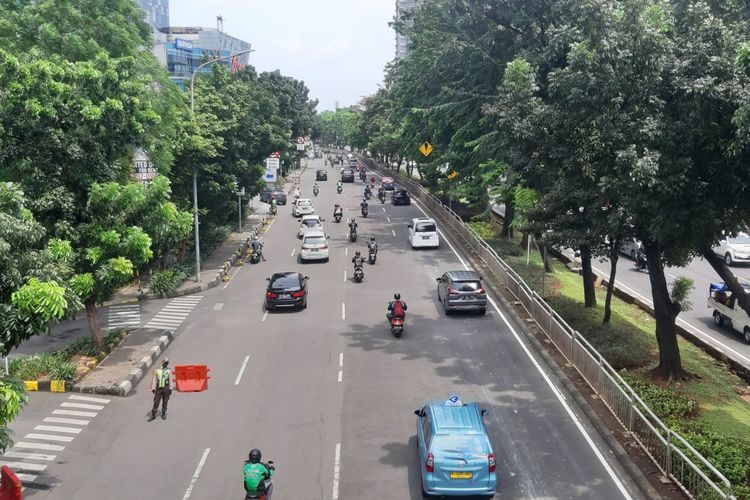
84	406
343	310
341	375
90	399
265	315
218	306
394	232
672	276
71	421
49	437
38	446
24	466
197	474
242	370
389	219
346	251
336	471
29	456
56	428
74	413
552	386
344	274
341	359
293	252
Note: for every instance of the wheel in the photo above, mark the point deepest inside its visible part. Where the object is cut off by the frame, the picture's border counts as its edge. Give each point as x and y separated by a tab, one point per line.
482	311
304	303
632	254
719	319
728	259
747	334
445	308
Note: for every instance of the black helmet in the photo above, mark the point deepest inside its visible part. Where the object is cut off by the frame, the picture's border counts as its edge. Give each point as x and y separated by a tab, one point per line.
358	253
372	238
254	456
397	296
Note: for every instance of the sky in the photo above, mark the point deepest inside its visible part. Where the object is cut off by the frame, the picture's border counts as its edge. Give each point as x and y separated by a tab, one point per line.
339	48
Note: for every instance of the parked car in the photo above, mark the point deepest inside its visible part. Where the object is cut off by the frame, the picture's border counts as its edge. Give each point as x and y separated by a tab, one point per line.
321	175
630	247
400	197
734	249
387	183
309	222
314	246
347	175
461	291
455	452
279	195
303	206
423	232
288	289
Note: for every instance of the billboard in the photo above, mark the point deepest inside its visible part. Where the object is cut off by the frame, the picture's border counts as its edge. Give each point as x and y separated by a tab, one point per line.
272	168
183	44
144	167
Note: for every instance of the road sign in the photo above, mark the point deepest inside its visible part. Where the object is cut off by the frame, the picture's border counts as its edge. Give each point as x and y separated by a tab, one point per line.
272	168
452	175
426	149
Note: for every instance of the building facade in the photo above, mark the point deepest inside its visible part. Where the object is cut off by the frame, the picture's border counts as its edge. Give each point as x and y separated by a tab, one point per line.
402	42
157	15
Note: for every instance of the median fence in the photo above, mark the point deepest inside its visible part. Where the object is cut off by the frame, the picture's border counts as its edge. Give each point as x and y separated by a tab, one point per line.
674	456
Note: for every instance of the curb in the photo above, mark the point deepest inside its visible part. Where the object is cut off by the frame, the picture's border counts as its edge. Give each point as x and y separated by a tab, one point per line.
47	385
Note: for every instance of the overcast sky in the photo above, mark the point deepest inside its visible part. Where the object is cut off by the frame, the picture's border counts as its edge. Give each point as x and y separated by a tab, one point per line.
338	47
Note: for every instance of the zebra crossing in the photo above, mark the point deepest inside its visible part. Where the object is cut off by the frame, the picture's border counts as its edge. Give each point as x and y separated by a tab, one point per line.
174	313
29	457
124	316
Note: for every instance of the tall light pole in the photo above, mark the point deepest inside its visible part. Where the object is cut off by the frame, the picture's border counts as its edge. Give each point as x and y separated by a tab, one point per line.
195	170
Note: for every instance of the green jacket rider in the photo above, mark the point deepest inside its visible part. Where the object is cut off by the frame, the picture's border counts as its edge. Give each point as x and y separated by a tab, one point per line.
256	472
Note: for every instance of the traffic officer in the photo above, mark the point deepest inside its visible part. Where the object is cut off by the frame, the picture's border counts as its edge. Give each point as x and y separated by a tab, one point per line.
161	386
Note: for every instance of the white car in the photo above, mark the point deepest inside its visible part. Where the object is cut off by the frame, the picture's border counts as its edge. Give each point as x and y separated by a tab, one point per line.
734	249
309	222
303	206
314	246
423	233
630	247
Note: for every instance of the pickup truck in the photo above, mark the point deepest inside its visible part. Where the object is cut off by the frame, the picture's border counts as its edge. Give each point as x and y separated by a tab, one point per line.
727	311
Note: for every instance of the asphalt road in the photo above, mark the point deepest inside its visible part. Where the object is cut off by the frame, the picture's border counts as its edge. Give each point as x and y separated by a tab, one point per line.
328	393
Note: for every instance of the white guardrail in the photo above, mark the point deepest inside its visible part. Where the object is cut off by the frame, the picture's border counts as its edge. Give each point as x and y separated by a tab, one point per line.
671	453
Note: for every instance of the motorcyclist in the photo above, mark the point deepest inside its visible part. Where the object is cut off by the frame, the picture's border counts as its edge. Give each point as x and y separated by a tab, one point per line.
296	193
316	188
640	259
339	185
372	245
353	226
257	247
396	308
274	206
372	181
381	193
357	260
364	206
368	191
257	474
337	210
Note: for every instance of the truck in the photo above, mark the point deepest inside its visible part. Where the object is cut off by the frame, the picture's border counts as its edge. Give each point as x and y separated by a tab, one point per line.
727	310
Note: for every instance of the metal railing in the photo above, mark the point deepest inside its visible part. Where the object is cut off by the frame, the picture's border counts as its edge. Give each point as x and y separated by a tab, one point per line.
671	453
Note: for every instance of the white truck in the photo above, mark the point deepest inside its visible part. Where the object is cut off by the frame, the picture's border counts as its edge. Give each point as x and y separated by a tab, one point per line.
727	310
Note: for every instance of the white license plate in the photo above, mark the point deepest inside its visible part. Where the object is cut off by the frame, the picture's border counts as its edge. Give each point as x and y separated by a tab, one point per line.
284	296
467	297
425	237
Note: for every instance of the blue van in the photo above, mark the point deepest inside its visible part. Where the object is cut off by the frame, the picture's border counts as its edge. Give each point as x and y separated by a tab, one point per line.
455	454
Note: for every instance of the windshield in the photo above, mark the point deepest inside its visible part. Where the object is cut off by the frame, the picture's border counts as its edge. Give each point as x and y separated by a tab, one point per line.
286	281
740	239
425	227
467	286
304	203
470	444
315	240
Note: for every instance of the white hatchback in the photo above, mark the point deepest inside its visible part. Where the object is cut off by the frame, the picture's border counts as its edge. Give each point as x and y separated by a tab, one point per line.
309	223
303	206
423	233
734	249
314	246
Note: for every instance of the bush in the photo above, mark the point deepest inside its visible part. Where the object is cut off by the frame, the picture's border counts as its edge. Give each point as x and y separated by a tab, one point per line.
485	230
668	404
506	248
64	370
32	367
167	280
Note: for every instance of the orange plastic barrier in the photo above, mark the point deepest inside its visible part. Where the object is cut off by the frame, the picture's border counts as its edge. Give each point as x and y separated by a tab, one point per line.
191	378
10	485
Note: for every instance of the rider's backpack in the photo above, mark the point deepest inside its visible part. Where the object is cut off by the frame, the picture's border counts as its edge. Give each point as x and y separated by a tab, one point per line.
398	309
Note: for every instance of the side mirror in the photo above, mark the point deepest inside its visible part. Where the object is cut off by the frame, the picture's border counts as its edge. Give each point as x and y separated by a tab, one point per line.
418	413
485	413
307	278
268	279
438	279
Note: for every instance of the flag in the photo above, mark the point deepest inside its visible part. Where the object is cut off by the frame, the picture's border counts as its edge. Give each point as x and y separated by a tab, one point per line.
236	66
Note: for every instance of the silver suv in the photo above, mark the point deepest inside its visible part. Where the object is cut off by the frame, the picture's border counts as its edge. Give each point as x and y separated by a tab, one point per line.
461	291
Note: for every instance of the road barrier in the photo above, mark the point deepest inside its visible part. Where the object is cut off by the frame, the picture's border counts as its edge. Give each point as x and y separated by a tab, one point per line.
10	485
191	378
671	453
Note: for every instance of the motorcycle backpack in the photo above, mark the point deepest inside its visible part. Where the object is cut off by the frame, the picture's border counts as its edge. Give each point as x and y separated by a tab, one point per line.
398	309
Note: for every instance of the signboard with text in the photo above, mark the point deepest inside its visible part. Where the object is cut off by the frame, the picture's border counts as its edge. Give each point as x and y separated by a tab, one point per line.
183	44
144	167
272	169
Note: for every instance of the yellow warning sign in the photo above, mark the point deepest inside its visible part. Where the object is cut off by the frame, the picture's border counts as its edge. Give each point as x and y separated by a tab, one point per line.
452	175
426	149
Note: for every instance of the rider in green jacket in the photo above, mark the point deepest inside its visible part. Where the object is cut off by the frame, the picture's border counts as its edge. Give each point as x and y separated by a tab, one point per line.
258	474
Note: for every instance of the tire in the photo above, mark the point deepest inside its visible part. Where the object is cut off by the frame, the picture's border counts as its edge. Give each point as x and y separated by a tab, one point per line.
304	304
482	311
445	308
718	318
632	254
746	334
728	259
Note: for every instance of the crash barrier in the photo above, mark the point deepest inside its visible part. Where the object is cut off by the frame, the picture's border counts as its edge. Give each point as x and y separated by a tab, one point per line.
191	378
225	272
671	453
10	485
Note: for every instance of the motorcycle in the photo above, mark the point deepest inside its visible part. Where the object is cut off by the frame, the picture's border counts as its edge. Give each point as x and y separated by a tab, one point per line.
372	256
397	326
256	255
364	211
315	191
368	193
359	274
641	264
363	176
274	211
267	490
337	217
381	197
338	189
352	235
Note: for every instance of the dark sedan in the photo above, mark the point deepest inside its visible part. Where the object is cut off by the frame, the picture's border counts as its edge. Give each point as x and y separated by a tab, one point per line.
321	175
271	193
400	197
347	175
286	290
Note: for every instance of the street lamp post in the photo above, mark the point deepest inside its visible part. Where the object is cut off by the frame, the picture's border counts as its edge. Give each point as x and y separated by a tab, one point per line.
195	170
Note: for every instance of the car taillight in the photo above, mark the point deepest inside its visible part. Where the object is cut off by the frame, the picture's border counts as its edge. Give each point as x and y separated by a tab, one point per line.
452	290
429	465
492	462
298	294
480	291
272	295
324	247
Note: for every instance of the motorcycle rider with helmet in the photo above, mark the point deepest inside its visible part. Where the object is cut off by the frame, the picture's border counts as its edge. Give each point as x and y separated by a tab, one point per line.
364	207
381	193
337	210
357	260
258	475
372	245
396	308
353	225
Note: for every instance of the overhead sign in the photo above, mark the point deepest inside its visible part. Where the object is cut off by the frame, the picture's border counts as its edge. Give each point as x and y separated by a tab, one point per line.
426	149
272	169
183	44
452	175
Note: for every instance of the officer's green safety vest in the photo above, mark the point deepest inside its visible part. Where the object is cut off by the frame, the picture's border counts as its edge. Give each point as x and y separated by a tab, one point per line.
162	378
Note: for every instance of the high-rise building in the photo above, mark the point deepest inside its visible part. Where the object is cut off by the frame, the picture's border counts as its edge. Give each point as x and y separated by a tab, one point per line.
188	47
157	15
402	42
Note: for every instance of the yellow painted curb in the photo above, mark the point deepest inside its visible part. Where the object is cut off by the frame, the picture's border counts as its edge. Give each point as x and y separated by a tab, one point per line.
31	385
57	385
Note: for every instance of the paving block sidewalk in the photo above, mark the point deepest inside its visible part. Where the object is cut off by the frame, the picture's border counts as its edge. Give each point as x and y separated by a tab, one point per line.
127	364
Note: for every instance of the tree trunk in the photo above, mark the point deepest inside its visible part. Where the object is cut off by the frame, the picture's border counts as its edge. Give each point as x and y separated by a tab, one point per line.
545	258
510	211
726	274
665	312
589	287
614	256
96	332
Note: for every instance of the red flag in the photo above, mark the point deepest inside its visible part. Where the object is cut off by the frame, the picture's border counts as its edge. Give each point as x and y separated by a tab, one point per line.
235	64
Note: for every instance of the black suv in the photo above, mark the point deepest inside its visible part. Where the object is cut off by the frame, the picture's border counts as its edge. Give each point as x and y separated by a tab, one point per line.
400	197
286	290
461	291
347	175
321	175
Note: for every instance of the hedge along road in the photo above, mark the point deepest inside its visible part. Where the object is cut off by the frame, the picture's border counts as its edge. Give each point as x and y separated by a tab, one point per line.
328	393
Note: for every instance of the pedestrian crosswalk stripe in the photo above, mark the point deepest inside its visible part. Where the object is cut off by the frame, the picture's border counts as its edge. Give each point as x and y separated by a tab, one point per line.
24	466
169	315
89	398
72	421
74	413
29	456
26	478
84	406
39	446
49	437
56	428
